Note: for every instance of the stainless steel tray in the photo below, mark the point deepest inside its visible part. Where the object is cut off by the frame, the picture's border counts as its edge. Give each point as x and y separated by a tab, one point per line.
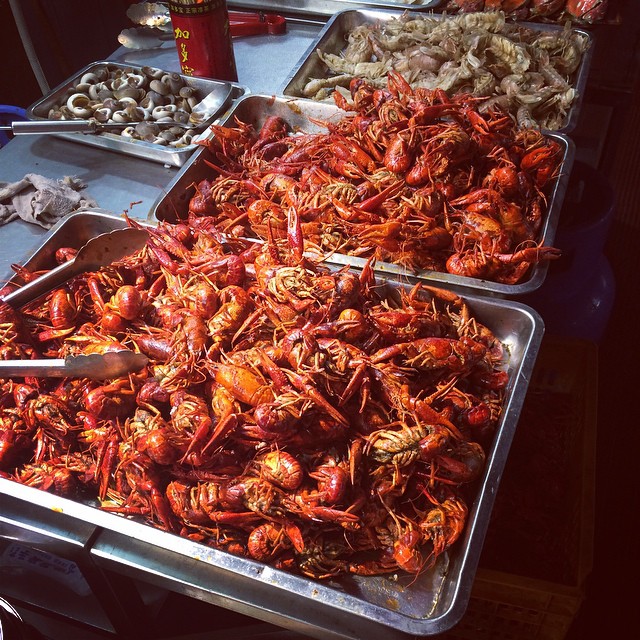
72	231
332	39
379	608
303	114
176	157
329	7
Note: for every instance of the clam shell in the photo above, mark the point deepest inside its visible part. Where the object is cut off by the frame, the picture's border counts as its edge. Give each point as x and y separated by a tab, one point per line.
102	114
163	112
181	116
153	72
78	105
145	129
160	87
120	116
89	78
129	92
173	81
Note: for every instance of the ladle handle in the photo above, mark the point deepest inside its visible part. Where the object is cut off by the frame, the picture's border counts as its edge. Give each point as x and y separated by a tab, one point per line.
53	126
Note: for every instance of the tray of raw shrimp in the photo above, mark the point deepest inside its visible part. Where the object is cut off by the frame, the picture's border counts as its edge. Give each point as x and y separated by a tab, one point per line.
462	200
538	72
378	483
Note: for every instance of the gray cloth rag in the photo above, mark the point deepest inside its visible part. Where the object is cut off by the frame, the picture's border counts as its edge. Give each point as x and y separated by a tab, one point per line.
41	200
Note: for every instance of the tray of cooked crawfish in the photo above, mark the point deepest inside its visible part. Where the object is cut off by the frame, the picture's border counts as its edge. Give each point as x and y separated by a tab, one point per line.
335	434
536	72
418	184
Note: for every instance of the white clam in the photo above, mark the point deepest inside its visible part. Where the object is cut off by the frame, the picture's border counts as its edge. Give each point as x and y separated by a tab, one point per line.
136	80
89	78
118	83
173	81
152	72
120	116
102	114
161	87
181	116
163	112
126	101
78	104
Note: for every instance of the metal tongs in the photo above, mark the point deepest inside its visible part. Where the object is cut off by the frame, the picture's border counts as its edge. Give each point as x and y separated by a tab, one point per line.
61	126
97	252
97	366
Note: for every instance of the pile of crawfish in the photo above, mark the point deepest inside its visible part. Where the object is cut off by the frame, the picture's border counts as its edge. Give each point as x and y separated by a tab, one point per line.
316	420
404	176
550	11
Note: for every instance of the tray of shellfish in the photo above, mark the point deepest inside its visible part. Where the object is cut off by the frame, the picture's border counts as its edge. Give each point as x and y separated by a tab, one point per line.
537	72
465	201
141	111
306	446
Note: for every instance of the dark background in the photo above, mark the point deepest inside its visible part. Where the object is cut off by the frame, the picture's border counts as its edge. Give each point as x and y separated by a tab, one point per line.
69	34
66	34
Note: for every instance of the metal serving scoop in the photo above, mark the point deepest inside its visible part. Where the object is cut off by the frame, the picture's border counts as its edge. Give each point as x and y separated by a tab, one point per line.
97	252
97	366
211	104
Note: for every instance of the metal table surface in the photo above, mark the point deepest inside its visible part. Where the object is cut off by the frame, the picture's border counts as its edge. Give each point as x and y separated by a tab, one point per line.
122	183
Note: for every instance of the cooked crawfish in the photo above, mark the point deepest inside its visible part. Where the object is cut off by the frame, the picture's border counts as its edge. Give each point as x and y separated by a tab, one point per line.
290	413
402	447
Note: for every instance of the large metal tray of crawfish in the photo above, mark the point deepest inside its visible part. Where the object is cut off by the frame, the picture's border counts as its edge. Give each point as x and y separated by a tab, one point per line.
156	514
158	115
459	235
536	71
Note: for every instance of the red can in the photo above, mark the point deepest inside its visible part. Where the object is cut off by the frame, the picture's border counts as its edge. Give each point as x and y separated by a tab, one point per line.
202	34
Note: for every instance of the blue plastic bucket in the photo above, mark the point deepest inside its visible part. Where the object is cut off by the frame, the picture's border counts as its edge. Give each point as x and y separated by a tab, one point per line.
577	295
582	231
583	313
9	114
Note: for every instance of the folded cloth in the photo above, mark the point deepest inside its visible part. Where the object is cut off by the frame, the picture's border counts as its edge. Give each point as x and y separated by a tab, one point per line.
41	200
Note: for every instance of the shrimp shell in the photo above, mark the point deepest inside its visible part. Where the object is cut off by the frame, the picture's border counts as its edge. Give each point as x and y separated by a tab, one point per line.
512	54
493	21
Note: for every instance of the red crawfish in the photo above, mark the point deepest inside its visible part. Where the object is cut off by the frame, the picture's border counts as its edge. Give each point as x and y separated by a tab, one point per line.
443	524
281	468
270	539
401	447
589	11
63	309
457	356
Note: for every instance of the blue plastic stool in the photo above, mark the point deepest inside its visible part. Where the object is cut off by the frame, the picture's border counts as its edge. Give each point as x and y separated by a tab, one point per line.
9	114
